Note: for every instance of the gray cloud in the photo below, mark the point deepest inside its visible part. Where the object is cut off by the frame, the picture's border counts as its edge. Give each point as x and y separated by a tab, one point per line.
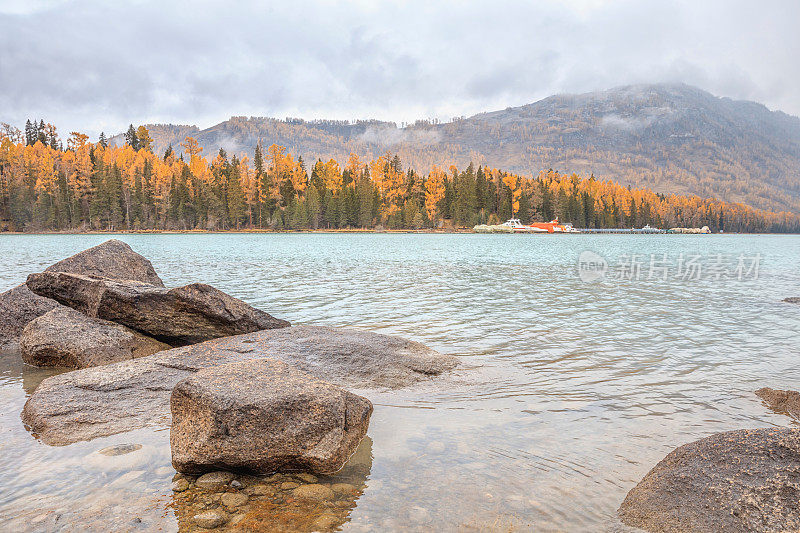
96	65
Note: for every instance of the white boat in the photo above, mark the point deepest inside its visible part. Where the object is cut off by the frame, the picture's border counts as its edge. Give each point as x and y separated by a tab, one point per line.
519	227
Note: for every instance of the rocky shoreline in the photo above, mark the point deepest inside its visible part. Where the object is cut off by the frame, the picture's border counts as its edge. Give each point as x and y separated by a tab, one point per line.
242	391
264	416
744	480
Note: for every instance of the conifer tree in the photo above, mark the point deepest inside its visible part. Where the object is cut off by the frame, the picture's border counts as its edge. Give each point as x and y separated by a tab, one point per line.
31	133
131	139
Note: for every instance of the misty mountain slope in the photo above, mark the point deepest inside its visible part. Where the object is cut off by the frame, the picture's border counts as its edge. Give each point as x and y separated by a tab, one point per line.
671	138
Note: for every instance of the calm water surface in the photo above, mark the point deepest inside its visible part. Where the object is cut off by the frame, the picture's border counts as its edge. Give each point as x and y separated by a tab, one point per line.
569	392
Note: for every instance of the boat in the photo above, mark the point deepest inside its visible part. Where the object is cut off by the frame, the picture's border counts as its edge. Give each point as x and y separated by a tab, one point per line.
518	227
539	227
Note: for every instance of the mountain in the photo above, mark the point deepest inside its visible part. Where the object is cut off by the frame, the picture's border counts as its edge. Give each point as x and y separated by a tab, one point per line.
672	138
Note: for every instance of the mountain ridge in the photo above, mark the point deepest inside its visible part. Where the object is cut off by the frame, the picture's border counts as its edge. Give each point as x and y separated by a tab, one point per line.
672	138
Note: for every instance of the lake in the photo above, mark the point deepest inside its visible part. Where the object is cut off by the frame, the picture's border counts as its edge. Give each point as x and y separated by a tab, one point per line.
574	381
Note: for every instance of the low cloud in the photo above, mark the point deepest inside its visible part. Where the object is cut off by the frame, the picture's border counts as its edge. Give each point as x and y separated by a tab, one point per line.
624	123
93	65
391	136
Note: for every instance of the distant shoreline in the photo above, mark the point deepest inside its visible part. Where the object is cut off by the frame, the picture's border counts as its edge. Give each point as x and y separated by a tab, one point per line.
329	231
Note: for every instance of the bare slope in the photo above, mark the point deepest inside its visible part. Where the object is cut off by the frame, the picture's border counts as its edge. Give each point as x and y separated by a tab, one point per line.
672	138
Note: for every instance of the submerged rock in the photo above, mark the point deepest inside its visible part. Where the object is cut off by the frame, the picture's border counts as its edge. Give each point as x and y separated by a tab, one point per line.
180	485
210	519
792	300
214	480
105	400
181	316
746	480
233	500
119	449
66	337
112	259
314	492
785	402
262	416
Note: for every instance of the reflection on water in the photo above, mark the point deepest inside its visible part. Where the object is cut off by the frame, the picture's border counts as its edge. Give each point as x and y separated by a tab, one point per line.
570	393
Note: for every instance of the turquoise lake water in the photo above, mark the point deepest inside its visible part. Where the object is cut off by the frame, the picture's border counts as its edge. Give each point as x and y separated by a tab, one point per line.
568	393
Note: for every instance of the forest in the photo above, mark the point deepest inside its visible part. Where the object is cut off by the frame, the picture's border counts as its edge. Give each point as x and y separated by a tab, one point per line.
46	185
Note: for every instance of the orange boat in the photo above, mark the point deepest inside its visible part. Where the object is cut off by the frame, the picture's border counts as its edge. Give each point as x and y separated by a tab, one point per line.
539	227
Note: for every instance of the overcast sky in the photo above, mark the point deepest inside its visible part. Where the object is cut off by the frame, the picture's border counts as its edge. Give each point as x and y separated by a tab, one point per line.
99	65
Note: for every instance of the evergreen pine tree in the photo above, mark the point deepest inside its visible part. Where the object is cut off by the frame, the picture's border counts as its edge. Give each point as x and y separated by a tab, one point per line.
31	133
41	133
131	139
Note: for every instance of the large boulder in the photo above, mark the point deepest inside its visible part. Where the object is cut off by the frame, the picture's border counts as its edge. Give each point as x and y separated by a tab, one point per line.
785	402
181	316
261	416
112	259
746	480
106	400
66	337
18	306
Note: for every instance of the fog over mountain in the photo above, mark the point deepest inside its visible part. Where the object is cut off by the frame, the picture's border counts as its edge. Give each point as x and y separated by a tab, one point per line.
94	65
672	138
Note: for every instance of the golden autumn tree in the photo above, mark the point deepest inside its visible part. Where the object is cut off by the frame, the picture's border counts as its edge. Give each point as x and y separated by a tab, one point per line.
145	141
45	186
513	183
331	176
354	166
434	193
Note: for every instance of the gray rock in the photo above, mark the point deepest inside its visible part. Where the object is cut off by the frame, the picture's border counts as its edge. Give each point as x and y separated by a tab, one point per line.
105	400
18	306
214	480
181	316
785	402
112	259
262	416
746	480
66	337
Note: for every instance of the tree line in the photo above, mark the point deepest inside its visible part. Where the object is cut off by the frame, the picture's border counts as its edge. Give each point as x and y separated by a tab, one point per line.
85	185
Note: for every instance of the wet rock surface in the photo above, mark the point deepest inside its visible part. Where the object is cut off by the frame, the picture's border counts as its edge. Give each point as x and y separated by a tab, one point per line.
263	416
105	400
792	300
68	338
786	402
180	316
746	480
112	259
